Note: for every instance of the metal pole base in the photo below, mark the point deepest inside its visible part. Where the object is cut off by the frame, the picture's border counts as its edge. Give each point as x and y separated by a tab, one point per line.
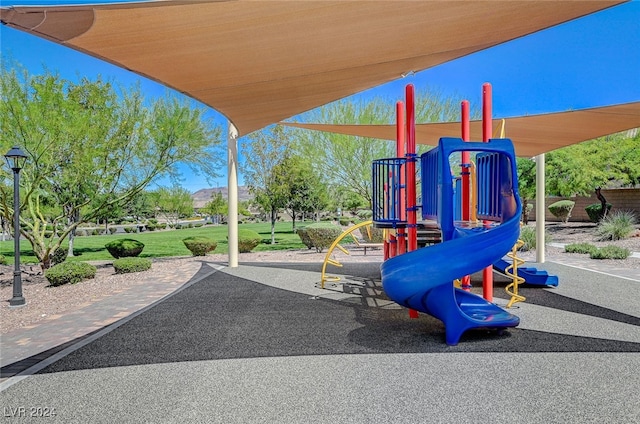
17	302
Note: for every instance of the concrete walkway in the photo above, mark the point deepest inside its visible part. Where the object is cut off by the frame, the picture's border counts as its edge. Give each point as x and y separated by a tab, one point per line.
262	343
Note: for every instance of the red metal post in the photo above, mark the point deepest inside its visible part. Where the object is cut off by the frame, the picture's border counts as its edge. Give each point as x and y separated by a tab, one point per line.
411	174
465	174
487	128
400	152
411	167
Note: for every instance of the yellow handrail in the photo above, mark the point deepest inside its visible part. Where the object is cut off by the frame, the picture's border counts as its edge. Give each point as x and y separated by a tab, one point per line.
512	271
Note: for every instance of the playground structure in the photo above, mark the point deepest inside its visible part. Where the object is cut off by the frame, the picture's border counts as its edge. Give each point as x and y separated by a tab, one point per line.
469	222
478	217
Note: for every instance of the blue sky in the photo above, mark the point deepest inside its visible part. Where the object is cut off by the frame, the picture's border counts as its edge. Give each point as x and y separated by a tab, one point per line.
589	62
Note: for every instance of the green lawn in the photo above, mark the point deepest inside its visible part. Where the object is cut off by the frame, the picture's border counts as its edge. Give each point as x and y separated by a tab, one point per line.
164	243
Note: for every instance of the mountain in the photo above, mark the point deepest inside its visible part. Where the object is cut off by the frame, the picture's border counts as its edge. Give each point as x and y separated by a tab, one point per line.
201	197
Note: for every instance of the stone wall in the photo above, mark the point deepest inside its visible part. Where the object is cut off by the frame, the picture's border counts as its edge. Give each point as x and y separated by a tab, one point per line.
621	199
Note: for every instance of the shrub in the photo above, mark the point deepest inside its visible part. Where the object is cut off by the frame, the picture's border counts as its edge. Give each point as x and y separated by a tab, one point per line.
199	245
248	240
610	252
151	226
616	226
365	214
3	260
528	236
69	273
322	234
122	248
580	248
126	265
595	211
562	209
345	221
130	229
304	237
59	256
112	230
371	234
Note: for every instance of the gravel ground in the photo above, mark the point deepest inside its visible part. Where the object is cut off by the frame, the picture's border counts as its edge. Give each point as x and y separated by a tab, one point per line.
44	301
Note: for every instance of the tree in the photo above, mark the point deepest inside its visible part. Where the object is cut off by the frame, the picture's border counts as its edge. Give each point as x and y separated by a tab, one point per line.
91	147
216	207
305	191
172	203
140	206
263	150
526	185
609	161
345	161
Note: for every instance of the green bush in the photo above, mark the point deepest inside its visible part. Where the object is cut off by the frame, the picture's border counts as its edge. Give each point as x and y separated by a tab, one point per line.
595	211
371	234
344	221
122	248
130	229
199	245
304	237
562	209
580	248
322	234
112	230
59	256
616	226
3	260
247	240
610	252
365	214
69	273
528	236
127	265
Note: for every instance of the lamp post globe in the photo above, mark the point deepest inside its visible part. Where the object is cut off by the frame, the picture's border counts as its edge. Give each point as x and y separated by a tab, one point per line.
15	159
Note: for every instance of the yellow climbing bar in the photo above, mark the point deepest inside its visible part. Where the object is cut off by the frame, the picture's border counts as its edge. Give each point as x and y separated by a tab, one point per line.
336	244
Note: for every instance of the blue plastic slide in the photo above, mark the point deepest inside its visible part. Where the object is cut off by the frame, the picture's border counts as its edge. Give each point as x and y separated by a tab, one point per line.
530	274
423	279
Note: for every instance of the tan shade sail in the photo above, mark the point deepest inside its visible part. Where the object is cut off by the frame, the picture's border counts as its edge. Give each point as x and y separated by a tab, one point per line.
531	135
259	62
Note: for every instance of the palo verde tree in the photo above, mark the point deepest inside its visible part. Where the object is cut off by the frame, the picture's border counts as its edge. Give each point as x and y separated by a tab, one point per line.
172	203
345	161
91	147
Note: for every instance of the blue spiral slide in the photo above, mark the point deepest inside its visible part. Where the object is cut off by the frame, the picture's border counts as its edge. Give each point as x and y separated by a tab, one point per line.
423	279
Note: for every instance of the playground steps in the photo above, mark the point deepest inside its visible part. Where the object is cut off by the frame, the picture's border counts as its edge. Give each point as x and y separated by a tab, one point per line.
531	275
428	233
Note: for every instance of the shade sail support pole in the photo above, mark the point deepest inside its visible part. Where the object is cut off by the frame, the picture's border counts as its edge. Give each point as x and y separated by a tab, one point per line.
540	208
232	185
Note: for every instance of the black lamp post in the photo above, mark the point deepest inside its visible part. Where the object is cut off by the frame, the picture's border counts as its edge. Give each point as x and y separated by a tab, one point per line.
16	159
